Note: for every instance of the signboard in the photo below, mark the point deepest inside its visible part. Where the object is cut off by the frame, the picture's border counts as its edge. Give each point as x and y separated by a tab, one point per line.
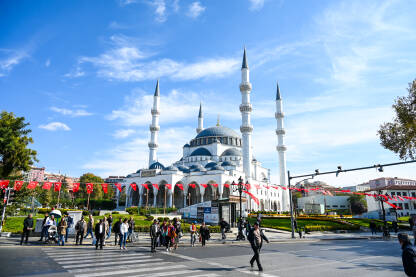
148	173
76	216
200	213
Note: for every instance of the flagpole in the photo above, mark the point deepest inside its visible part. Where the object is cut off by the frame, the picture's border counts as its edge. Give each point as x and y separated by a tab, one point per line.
164	208
88	203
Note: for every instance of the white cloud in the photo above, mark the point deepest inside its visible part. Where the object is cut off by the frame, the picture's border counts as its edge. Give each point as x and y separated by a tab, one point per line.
75	73
71	113
160	10
175	5
127	2
126	62
123	133
10	60
256	5
195	9
55	126
48	63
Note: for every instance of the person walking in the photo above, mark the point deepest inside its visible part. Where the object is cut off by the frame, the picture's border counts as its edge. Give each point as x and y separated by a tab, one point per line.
50	221
408	255
203	233
178	230
373	228
154	234
223	227
163	233
44	230
256	238
106	228
70	222
110	223
99	234
170	236
395	226
80	228
116	229
192	231
131	224
62	230
27	227
124	230
90	225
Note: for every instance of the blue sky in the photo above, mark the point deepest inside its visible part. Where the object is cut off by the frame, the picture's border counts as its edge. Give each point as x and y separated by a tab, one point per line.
83	74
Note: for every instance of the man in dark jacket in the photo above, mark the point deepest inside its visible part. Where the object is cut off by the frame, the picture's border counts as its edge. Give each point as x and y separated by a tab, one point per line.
110	222
223	227
43	232
27	227
408	255
99	234
80	228
116	230
154	234
256	237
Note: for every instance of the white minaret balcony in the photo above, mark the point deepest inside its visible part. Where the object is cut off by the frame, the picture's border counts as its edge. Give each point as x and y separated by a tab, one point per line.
153	145
279	115
154	128
281	148
246	108
280	131
155	112
246	129
245	87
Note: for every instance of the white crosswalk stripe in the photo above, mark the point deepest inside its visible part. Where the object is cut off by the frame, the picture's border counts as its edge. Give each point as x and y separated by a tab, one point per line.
88	262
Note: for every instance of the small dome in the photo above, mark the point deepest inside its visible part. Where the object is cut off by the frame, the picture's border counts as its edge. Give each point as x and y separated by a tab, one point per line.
201	152
210	164
173	168
227	163
156	165
138	171
218	131
217	167
232	152
183	168
197	167
186	145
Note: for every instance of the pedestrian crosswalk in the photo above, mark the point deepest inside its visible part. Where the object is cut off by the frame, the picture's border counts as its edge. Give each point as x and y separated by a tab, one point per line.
88	262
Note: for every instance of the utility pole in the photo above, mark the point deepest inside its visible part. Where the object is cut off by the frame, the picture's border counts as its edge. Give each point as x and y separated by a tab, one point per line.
292	226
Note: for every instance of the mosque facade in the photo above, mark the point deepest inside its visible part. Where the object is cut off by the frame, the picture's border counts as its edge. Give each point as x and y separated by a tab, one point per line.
215	158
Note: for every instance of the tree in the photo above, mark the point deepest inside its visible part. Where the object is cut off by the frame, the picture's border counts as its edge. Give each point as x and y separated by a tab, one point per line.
97	192
358	204
399	136
15	156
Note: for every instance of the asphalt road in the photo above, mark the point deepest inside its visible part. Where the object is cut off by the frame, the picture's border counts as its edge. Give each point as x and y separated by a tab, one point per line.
316	258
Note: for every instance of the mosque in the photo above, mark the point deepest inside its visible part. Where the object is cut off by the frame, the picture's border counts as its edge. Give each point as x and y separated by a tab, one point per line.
215	158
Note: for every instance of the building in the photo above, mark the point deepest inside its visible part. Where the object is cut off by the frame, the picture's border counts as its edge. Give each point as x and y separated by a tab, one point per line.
35	174
407	206
388	181
328	202
358	188
215	158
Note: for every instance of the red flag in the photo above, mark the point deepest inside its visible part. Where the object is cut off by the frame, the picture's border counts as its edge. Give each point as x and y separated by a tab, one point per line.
345	190
226	185
257	186
4	184
267	187
118	186
180	186
145	186
391	204
32	185
104	187
18	185
75	187
248	186
215	185
401	198
168	186
252	196
192	185
284	188
156	186
133	186
204	185
47	185
90	187
57	186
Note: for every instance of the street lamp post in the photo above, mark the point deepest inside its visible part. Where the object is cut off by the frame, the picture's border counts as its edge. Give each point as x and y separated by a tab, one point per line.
292	226
381	198
240	188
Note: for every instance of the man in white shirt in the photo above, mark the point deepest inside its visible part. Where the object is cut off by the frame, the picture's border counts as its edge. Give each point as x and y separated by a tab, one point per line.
100	234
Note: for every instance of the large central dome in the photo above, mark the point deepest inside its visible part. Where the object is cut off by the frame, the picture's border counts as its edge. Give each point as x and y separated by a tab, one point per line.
218	131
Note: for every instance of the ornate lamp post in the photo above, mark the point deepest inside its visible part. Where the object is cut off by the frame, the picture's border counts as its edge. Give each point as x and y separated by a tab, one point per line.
240	189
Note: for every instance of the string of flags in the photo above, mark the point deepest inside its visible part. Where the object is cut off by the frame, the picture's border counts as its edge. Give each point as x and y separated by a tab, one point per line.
18	184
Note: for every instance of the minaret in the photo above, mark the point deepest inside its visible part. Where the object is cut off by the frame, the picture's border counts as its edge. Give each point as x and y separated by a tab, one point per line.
281	148
245	109
154	128
200	120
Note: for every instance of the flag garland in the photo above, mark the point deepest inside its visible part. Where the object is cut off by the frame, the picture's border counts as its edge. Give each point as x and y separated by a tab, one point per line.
252	197
180	186
204	186
75	187
118	186
57	186
133	186
145	186
47	185
156	186
32	185
168	186
90	187
104	186
18	185
4	184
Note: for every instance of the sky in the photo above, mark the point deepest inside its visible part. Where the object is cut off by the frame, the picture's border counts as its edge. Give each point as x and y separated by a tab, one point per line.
83	74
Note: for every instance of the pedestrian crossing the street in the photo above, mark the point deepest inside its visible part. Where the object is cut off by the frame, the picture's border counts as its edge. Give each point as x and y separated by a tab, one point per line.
88	262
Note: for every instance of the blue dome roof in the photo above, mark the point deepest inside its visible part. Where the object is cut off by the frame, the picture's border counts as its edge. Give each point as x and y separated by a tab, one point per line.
218	131
186	145
197	168
183	168
227	163
201	152
156	165
171	168
138	171
232	152
210	164
217	167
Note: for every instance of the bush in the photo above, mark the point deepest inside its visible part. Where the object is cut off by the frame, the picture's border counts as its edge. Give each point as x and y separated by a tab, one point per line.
149	217
96	213
115	212
85	213
132	210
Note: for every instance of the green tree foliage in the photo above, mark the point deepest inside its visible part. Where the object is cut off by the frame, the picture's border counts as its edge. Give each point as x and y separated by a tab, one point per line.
90	178
358	204
399	136
15	156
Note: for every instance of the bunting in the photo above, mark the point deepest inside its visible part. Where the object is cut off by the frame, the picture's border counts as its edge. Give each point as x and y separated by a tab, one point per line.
156	186
90	187
4	184
257	186
247	186
18	185
180	186
204	185
32	185
252	196
227	185
145	186
57	186
168	186
133	186
192	185
104	186
47	185
215	185
75	187
118	186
